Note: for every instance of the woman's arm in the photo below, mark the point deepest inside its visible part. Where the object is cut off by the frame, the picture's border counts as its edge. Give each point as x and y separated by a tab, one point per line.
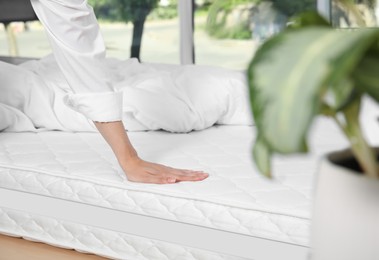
79	50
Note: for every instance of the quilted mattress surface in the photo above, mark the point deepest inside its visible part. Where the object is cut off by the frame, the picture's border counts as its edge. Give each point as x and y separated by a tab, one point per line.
81	167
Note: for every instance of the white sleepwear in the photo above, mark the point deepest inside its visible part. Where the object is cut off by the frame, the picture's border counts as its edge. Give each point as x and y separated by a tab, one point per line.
79	50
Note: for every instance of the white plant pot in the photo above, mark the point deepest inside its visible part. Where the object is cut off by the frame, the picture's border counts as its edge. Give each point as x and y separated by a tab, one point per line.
345	222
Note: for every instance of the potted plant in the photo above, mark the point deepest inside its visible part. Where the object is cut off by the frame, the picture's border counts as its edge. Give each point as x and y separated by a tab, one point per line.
314	70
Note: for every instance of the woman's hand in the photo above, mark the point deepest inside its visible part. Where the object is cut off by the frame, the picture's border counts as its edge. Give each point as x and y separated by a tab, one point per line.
138	170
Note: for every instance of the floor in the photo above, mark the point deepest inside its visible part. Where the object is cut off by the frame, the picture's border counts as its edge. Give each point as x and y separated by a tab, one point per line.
20	249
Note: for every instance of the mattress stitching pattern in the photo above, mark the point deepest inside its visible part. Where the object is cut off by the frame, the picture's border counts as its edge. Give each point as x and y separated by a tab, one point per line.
281	228
85	238
194	198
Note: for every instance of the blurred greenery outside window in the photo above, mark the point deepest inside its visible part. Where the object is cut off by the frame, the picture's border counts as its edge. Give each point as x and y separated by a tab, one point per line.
226	32
368	9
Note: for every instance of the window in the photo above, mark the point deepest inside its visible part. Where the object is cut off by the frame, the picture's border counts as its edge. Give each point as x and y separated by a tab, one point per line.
226	32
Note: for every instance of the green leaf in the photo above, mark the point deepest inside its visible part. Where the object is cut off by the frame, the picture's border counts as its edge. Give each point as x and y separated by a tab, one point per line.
262	157
341	95
307	19
290	75
367	77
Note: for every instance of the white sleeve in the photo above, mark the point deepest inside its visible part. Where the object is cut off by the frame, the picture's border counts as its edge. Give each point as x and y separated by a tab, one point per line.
79	49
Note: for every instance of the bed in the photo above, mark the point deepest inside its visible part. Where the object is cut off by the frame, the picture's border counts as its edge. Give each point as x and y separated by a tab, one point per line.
66	189
82	200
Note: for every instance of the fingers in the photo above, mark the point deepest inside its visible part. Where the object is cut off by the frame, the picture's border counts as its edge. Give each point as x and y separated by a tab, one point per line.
188	175
152	178
186	172
173	176
191	178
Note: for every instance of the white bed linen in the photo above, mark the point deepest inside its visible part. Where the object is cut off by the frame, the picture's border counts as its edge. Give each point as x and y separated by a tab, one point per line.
35	96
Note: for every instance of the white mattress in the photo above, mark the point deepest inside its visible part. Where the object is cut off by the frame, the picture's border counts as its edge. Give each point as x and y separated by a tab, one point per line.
235	201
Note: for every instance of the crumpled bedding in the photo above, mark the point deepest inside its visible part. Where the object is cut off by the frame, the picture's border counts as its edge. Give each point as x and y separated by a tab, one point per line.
155	96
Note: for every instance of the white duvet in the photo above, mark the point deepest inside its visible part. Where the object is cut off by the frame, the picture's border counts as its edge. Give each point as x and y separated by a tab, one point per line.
169	97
